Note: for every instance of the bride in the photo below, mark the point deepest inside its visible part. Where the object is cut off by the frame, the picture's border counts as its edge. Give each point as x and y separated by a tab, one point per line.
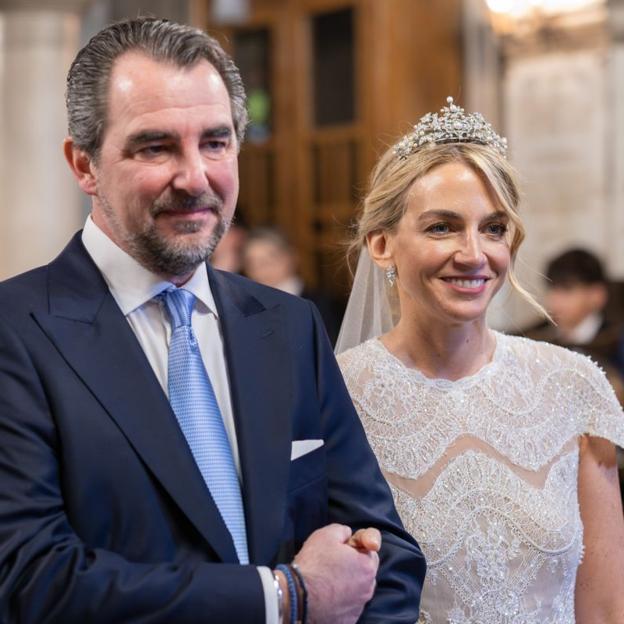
499	450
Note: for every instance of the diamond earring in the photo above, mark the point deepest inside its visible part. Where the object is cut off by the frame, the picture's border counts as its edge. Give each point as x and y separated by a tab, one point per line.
391	275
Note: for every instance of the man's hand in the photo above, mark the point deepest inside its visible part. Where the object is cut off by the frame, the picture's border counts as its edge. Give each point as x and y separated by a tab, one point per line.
339	569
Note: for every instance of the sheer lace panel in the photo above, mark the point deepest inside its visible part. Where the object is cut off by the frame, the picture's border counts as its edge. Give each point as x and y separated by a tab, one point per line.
484	473
420	487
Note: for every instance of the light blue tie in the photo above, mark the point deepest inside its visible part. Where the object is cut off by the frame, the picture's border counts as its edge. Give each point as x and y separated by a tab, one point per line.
193	401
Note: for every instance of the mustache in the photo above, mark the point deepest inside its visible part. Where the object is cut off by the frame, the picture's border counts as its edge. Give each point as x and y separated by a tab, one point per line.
182	202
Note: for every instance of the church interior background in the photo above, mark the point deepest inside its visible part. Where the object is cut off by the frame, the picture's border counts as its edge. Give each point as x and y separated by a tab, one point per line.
331	83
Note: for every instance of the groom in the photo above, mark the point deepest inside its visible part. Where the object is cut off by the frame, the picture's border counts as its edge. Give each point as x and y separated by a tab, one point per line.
170	434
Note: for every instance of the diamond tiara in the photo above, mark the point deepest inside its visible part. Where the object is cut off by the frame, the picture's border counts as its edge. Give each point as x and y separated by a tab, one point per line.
452	126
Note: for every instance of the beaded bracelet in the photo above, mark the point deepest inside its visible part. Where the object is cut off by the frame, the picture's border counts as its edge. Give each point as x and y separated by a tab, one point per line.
304	591
292	591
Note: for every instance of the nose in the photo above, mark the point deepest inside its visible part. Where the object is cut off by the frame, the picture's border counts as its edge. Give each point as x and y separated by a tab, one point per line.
191	174
470	251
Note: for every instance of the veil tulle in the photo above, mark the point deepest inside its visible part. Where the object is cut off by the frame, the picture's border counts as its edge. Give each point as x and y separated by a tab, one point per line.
369	311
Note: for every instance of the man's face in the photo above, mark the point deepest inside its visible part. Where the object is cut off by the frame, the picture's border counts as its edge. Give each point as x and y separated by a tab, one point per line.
571	304
166	179
267	263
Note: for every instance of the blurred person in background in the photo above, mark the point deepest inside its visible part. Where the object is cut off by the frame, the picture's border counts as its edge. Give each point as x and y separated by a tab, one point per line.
228	254
577	293
270	259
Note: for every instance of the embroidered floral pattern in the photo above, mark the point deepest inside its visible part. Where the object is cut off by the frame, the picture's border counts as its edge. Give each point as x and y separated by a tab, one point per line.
498	521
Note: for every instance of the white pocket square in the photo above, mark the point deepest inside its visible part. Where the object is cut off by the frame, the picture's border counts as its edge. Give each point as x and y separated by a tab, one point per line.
303	447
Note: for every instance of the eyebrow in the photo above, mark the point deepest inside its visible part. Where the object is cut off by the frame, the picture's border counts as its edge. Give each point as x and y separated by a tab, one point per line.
438	214
151	136
148	136
451	215
498	214
220	132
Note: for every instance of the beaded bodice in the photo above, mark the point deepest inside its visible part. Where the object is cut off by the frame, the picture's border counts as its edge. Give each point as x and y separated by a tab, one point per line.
484	473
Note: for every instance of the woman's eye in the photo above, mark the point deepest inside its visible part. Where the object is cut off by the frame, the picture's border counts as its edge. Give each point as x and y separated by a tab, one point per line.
496	229
439	228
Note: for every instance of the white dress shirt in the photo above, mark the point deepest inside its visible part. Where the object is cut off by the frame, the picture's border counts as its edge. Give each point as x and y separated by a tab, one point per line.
134	287
585	331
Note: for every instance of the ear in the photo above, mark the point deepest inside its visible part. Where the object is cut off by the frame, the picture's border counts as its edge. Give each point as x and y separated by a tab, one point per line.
81	165
380	246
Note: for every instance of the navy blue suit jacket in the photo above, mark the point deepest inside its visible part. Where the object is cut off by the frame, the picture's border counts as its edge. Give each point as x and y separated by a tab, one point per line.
104	516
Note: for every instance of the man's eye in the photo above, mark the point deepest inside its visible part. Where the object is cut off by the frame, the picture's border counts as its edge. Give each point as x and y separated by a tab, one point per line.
153	150
215	145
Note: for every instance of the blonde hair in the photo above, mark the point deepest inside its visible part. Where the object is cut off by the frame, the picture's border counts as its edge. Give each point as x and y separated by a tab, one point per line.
393	177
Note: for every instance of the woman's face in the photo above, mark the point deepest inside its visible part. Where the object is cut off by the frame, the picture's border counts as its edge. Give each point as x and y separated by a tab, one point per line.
450	248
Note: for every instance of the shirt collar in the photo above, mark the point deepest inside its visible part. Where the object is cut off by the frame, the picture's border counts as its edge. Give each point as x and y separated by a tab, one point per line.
291	285
586	330
130	283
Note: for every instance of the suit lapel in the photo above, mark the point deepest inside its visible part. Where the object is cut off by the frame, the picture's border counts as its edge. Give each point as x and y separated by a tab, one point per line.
260	385
91	333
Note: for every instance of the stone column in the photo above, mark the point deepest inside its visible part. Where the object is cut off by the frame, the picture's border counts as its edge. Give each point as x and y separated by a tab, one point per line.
558	127
555	88
40	204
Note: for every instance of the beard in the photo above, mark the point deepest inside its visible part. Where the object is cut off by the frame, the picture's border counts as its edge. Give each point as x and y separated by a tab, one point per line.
172	256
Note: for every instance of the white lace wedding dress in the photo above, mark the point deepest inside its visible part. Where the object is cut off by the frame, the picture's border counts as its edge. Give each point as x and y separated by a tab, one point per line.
484	473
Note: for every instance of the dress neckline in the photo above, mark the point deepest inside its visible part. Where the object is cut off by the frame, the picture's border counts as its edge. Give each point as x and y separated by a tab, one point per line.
440	382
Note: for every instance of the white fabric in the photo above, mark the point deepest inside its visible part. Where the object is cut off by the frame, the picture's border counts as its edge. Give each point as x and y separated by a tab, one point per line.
303	447
586	330
484	473
291	285
368	311
271	608
133	287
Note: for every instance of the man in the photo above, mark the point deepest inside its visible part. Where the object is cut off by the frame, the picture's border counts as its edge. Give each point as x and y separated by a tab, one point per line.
169	433
269	258
228	255
576	297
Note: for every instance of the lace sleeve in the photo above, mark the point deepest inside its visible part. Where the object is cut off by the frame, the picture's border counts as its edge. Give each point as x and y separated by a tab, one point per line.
355	372
601	411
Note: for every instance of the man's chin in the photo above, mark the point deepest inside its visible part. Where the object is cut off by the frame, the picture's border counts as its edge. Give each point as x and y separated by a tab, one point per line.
176	257
203	223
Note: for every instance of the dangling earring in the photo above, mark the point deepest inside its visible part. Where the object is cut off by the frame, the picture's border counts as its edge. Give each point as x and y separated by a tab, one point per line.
391	275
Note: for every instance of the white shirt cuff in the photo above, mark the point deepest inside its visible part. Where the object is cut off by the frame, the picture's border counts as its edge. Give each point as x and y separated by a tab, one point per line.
270	595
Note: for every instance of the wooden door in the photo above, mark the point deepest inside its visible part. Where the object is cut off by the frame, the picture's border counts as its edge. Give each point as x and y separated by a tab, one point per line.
343	79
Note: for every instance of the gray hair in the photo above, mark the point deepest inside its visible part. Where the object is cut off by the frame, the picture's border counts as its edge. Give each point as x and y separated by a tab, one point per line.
89	74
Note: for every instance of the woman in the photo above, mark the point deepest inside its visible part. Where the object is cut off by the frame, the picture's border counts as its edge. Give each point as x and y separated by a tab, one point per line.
499	450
